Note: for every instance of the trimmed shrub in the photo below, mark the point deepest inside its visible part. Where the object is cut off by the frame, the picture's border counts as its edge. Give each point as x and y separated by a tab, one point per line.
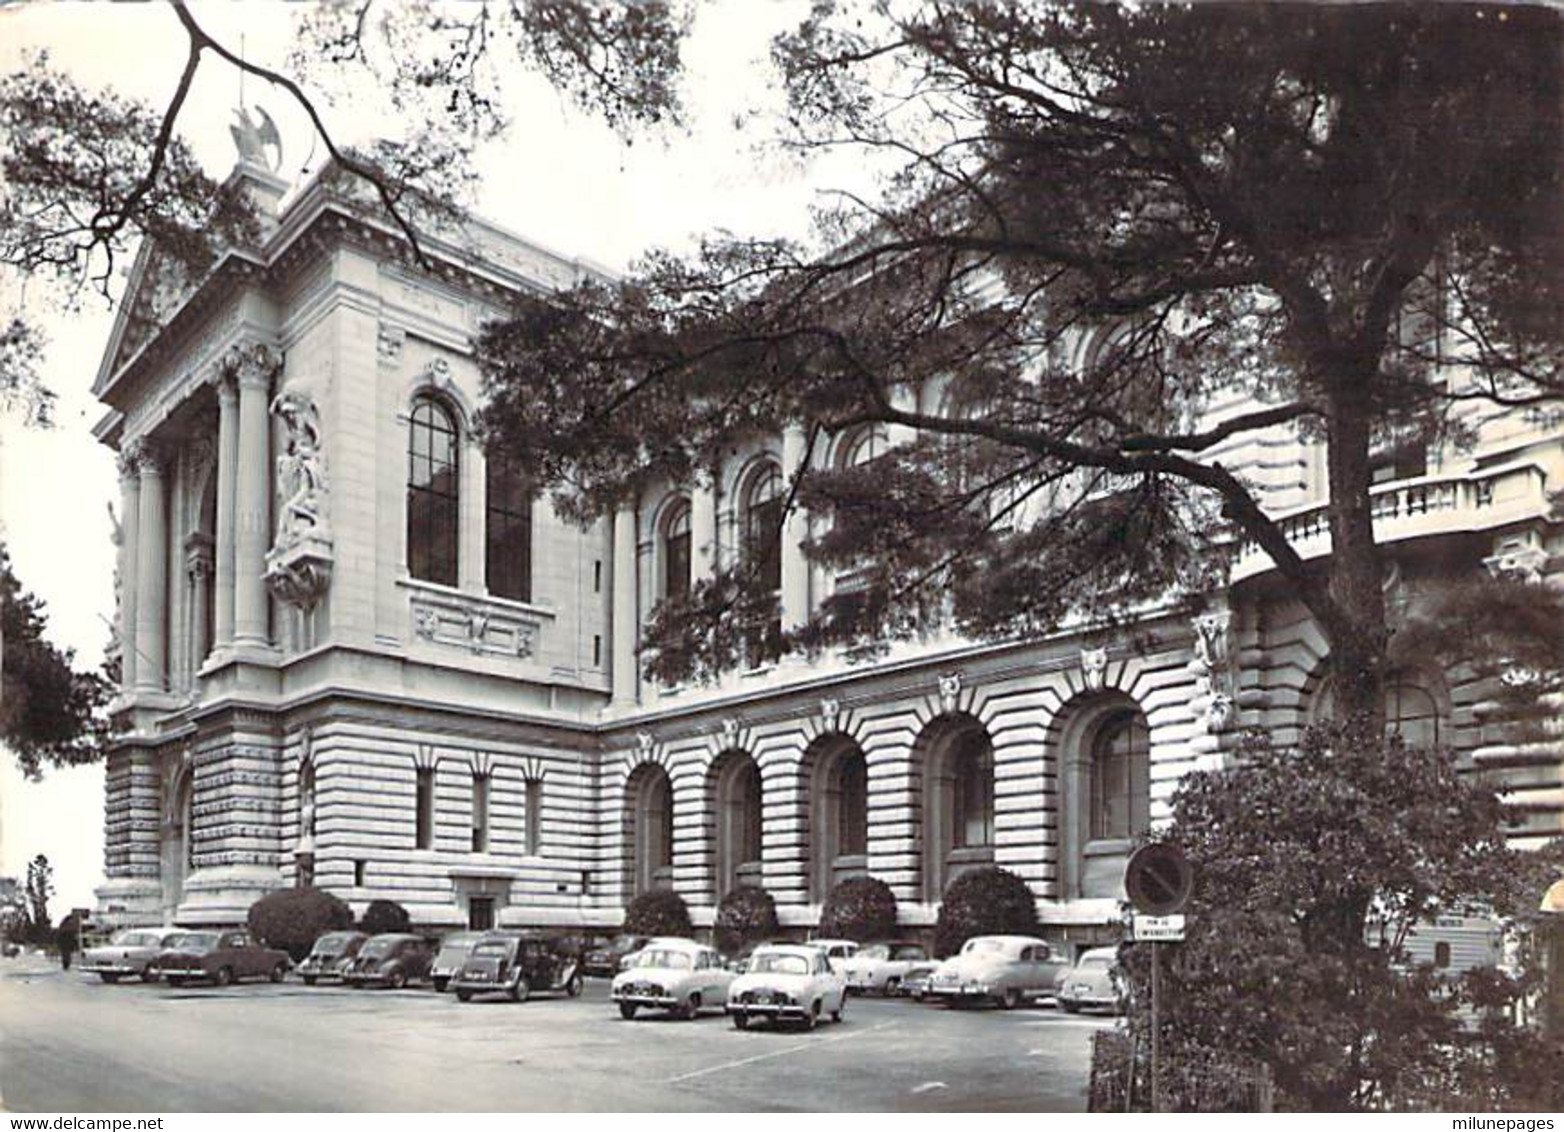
989	901
384	916
746	916
659	912
860	908
294	918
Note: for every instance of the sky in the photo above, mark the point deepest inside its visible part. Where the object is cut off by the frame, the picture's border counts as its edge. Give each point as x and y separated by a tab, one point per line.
559	177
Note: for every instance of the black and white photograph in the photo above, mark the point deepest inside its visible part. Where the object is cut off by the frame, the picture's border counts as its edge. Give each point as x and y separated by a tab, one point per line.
781	556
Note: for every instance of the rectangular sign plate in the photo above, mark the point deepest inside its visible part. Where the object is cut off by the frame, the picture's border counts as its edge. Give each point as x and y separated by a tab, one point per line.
1158	929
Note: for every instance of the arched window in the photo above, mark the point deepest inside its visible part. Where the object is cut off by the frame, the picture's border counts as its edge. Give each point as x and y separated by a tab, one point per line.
838	813
959	803
507	557
433	493
852	803
762	514
1411	710
676	551
649	821
973	803
1120	779
738	848
865	445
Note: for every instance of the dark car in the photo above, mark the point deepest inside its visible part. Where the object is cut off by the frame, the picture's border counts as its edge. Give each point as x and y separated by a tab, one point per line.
392	959
220	958
607	959
517	964
330	956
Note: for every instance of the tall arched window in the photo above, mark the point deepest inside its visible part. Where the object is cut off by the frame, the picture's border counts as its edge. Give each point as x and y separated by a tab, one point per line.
973	802
762	513
1120	778
433	493
852	803
676	551
507	530
1411	710
738	805
865	445
649	829
959	803
838	813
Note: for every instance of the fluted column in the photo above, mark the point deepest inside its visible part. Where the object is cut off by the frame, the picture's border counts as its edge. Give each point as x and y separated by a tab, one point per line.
624	612
795	527
130	548
151	573
198	567
227	483
253	501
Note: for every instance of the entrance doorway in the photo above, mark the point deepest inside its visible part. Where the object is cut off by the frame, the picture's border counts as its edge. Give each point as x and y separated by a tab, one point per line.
480	913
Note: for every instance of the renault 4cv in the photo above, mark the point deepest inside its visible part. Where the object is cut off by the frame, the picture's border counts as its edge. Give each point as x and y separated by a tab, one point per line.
517	965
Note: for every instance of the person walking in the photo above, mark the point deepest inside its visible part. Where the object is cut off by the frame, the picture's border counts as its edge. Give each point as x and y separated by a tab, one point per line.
65	941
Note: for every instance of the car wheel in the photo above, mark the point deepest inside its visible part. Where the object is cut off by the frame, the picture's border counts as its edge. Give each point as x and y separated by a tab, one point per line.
520	991
278	972
892	987
1010	999
627	1010
841	1007
812	1019
692	1008
440	985
741	1021
464	996
149	974
224	977
309	980
398	979
917	996
175	981
108	977
1070	1007
574	986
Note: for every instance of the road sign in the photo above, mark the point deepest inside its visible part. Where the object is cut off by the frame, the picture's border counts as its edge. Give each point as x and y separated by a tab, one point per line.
1158	879
1158	929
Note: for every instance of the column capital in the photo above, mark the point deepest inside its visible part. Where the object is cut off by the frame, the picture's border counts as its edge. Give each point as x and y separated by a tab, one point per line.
253	365
141	457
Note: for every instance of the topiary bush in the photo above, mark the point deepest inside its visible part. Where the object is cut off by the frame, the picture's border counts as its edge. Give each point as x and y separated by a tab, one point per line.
384	916
861	908
746	916
294	918
988	901
659	912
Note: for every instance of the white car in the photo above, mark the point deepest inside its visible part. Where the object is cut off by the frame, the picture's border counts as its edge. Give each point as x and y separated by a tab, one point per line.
837	951
881	968
787	981
676	975
132	952
1004	969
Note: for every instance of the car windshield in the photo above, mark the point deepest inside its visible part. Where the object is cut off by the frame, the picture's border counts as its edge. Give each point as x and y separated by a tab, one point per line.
333	943
875	951
777	963
908	951
194	941
1096	962
663	957
984	947
492	947
379	947
457	943
625	943
135	939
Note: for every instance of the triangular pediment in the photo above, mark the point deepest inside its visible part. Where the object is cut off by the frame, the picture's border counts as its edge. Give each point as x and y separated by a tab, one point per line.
157	284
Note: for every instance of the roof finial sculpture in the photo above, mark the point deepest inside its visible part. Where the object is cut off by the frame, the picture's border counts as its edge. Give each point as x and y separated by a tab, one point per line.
253	139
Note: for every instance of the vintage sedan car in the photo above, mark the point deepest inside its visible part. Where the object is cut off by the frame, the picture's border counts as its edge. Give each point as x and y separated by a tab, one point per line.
220	958
676	975
880	968
1003	969
131	953
609	959
837	951
454	951
330	956
392	959
517	964
787	982
915	983
1092	984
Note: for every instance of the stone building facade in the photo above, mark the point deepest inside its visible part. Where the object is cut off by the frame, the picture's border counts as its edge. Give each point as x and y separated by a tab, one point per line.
354	654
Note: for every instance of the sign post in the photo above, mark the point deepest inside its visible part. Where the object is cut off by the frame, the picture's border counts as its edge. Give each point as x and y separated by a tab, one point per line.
1158	880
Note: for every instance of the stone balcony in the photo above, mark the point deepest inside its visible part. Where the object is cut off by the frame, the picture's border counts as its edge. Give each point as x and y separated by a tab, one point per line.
1483	499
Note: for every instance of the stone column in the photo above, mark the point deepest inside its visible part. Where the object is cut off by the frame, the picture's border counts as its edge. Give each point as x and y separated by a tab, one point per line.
253	499
198	567
703	530
625	675
795	526
130	549
227	481
151	573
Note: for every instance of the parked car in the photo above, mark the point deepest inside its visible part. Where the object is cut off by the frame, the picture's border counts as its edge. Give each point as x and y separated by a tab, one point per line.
606	960
453	952
517	964
677	975
391	959
1093	983
915	983
1004	969
880	968
132	952
787	982
837	951
331	956
218	957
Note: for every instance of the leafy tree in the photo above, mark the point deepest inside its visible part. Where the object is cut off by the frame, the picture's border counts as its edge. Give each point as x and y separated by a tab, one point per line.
292	919
861	908
1283	217
745	916
658	912
987	901
40	886
49	712
1313	865
384	916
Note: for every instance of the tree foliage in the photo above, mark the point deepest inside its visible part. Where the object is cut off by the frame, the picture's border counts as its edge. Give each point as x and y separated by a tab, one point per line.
986	901
292	919
745	916
861	908
384	916
1313	865
660	911
50	713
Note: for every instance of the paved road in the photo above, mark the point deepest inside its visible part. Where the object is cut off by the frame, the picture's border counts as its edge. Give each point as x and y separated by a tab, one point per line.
75	1046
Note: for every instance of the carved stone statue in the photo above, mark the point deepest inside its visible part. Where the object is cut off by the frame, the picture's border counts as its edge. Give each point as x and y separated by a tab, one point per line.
301	469
252	138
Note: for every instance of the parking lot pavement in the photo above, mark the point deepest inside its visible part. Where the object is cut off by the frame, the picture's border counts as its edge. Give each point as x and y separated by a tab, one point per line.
71	1045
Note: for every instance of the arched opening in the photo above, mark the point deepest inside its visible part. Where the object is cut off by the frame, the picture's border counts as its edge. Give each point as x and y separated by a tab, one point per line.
958	815
676	550
1412	709
735	780
1107	765
433	492
178	841
648	818
838	814
761	509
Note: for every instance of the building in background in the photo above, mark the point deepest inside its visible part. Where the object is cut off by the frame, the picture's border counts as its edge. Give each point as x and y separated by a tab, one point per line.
355	653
